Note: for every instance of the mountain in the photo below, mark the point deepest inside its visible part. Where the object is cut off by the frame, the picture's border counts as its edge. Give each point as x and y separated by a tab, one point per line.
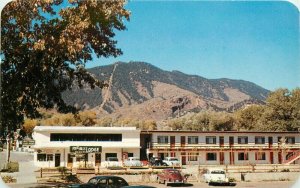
141	90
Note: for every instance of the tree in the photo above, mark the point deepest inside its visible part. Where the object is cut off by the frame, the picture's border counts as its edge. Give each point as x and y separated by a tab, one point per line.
29	125
45	45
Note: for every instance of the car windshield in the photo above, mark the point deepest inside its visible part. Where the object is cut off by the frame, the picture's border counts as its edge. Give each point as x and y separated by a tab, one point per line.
174	172
173	159
112	159
217	172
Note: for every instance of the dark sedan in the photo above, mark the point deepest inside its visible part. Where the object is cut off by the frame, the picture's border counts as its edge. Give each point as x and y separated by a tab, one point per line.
102	182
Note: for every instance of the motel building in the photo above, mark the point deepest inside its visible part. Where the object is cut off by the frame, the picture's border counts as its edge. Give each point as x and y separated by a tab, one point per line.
83	146
223	147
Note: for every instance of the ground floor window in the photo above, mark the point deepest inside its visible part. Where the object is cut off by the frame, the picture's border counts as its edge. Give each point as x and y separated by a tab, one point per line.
130	154
242	156
260	156
49	157
193	156
110	155
41	157
211	156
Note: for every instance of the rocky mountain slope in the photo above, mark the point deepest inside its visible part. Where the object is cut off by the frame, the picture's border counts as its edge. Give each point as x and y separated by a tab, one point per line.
140	90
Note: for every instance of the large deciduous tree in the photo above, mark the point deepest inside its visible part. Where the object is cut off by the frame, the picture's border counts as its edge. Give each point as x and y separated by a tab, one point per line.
45	45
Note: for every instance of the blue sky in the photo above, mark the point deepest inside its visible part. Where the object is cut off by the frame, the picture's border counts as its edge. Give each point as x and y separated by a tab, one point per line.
257	41
248	40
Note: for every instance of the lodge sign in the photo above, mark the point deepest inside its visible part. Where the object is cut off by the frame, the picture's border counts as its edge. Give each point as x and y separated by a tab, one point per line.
85	149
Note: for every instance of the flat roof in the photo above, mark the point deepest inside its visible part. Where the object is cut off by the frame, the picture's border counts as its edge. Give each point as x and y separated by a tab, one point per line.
209	132
83	129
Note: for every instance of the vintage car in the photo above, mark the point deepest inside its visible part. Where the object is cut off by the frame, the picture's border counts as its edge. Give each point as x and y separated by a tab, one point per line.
172	161
102	182
170	176
133	162
215	176
112	162
155	161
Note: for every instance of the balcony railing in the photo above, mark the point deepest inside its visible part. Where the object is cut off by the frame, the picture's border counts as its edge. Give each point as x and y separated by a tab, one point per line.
155	145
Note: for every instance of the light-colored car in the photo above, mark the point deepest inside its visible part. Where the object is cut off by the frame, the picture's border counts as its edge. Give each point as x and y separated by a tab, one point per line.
172	161
112	162
215	176
133	161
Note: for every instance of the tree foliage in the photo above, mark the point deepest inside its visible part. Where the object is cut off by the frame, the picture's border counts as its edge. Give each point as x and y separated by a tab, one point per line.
45	45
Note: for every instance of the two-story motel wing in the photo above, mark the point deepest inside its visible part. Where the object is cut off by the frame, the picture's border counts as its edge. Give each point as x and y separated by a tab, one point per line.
223	147
74	146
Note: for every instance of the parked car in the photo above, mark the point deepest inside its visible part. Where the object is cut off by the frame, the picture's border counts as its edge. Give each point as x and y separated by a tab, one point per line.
215	176
155	161
172	161
133	161
138	186
170	176
102	182
112	162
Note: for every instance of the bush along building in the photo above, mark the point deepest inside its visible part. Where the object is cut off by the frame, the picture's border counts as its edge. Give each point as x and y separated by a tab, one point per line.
91	146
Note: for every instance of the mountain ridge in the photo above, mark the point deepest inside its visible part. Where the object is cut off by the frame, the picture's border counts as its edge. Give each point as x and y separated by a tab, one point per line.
132	85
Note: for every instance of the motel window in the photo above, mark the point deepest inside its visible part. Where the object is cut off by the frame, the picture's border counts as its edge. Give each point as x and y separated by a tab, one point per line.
49	157
211	140
110	155
211	156
259	140
162	139
130	154
85	137
41	157
193	140
193	156
242	156
290	140
260	156
243	140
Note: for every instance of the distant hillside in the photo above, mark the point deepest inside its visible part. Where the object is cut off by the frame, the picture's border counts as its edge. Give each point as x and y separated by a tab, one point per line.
141	90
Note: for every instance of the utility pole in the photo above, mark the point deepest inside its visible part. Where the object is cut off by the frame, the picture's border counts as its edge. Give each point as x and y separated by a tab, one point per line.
8	148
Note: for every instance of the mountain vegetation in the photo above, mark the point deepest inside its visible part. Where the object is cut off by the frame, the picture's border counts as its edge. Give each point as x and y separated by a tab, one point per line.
280	113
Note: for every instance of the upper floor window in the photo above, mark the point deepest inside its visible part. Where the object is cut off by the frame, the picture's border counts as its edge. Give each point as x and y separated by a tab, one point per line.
211	140
290	140
259	140
243	139
162	139
193	140
84	137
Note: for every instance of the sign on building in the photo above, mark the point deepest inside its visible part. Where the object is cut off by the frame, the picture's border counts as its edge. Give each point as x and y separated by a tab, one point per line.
86	149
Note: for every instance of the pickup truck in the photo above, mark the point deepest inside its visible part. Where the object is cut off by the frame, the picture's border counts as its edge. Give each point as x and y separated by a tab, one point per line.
133	161
172	161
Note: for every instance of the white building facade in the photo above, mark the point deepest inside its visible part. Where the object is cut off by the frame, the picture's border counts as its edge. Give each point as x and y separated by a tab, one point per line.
83	146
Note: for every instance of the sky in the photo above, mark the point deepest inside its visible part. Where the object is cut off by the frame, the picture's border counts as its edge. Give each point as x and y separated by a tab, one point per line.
257	41
248	40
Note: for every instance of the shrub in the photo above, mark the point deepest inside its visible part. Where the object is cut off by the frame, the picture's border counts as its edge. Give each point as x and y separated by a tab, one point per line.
8	179
12	167
285	170
231	179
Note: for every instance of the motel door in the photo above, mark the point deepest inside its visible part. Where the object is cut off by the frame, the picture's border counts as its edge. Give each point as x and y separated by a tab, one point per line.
182	141
221	158
183	158
57	160
271	157
221	141
172	141
97	159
